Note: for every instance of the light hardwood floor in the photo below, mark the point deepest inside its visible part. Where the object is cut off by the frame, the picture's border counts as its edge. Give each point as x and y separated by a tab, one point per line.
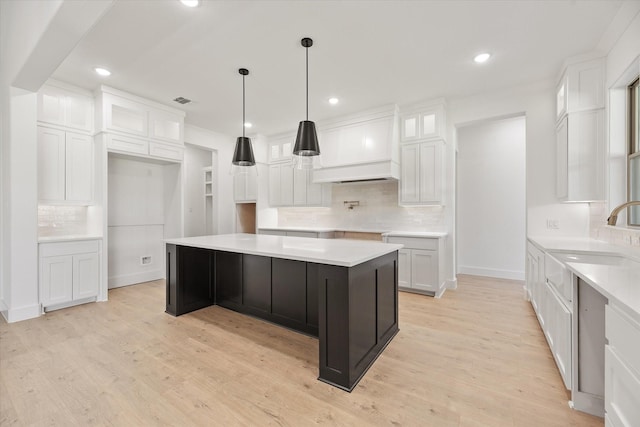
476	357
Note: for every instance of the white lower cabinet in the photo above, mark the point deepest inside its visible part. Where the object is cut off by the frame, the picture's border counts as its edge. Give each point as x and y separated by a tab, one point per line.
420	266
622	369
69	273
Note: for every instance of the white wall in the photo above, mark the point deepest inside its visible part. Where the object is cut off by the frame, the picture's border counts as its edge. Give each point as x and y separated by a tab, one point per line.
136	221
378	211
35	37
195	159
491	199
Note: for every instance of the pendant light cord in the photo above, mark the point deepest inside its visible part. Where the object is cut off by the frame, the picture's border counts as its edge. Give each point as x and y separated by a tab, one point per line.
306	49
243	121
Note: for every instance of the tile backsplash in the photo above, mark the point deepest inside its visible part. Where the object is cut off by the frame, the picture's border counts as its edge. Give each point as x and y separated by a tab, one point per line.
61	220
618	235
377	210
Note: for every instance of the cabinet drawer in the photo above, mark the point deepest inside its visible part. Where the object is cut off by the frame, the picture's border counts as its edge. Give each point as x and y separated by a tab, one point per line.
166	151
69	248
415	242
622	388
623	334
125	143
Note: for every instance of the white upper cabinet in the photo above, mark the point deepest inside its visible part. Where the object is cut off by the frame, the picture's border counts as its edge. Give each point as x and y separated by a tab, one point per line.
65	166
244	187
580	88
580	133
166	126
140	127
427	123
60	105
280	148
123	115
421	179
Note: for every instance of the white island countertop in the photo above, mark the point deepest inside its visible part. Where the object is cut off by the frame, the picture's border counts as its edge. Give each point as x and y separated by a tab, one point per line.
344	253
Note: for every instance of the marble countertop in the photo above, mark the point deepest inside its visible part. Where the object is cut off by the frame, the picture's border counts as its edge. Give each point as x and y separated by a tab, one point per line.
67	238
310	229
344	253
619	283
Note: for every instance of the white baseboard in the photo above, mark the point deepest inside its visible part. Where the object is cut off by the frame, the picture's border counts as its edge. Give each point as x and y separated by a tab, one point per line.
22	313
490	272
132	279
451	284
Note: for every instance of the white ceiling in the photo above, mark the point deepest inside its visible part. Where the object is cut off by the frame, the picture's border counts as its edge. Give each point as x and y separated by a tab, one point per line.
367	53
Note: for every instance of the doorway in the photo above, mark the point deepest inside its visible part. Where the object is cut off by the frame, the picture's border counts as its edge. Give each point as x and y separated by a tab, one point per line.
491	203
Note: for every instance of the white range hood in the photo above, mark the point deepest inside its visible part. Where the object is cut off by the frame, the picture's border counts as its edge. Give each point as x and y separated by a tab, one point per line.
360	147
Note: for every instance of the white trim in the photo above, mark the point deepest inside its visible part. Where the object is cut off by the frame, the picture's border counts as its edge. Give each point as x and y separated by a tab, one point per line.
135	278
451	284
491	272
23	313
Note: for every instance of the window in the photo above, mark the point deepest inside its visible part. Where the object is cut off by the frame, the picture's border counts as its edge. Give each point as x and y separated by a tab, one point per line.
634	152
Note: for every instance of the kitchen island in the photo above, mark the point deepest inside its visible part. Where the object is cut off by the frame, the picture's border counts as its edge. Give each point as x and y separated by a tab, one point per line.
345	292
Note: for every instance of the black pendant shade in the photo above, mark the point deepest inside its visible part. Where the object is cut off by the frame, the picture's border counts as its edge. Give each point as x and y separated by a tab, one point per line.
306	140
243	154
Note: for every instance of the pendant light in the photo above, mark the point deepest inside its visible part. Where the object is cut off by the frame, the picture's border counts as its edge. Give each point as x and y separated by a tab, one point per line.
243	155
306	151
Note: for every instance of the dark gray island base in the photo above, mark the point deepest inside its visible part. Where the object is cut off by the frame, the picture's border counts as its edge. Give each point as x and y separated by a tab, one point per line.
352	310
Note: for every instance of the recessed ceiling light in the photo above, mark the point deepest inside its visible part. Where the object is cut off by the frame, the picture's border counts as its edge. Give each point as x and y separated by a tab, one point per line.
247	125
333	101
483	57
190	3
102	71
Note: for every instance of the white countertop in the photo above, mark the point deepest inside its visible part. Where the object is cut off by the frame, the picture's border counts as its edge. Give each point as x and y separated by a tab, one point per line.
619	283
362	230
67	238
344	253
430	234
310	229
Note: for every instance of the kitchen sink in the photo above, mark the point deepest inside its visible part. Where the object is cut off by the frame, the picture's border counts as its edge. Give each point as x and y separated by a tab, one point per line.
592	259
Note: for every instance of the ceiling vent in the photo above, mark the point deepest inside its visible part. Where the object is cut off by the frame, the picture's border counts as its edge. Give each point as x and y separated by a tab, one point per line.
181	100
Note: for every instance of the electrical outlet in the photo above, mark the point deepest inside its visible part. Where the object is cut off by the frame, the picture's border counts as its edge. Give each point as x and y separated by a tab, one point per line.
145	260
553	224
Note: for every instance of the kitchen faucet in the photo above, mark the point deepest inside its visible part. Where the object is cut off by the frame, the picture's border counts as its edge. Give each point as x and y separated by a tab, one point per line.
613	218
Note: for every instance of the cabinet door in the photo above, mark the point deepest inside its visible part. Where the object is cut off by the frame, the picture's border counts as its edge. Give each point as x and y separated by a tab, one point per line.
562	159
424	270
622	388
315	193
300	180
240	187
127	144
125	116
165	126
166	151
429	124
585	86
430	172
286	185
562	349
78	112
86	275
410	176
409	128
251	187
585	167
79	167
404	268
51	164
56	280
51	105
274	186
